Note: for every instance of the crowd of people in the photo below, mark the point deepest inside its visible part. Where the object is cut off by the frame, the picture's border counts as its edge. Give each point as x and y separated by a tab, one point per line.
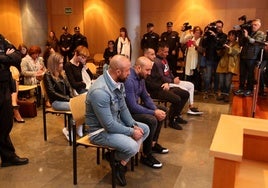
120	111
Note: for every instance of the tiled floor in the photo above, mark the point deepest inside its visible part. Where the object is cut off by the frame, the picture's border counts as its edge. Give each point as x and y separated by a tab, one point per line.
188	164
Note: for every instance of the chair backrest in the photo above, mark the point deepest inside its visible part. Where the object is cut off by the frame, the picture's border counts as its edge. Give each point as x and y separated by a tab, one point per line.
98	58
92	67
43	90
78	108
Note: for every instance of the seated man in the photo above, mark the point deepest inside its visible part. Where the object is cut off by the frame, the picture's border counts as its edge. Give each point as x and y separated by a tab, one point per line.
145	110
159	89
109	119
168	77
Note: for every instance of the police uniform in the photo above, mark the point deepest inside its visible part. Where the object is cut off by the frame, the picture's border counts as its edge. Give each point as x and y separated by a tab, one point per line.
150	39
173	40
78	39
66	42
7	150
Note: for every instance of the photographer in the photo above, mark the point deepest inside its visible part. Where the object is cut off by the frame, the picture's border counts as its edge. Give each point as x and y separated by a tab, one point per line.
214	40
249	55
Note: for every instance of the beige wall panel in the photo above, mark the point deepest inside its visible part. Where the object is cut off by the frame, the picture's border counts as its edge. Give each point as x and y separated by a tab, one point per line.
103	20
10	21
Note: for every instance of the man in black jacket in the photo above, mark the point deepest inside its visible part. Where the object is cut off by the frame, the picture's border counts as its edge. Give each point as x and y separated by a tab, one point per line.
158	89
8	57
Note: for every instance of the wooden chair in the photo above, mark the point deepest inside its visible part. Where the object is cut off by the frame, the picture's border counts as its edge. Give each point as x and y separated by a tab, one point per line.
99	61
77	105
78	109
46	110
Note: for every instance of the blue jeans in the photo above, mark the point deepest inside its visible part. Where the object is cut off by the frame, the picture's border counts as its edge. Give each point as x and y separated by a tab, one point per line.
225	81
61	105
209	72
125	146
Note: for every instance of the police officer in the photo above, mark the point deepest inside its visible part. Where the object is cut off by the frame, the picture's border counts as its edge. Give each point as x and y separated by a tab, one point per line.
8	56
65	44
78	39
173	40
150	39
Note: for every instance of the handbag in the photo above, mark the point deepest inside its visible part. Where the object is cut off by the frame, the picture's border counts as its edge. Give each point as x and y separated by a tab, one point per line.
27	108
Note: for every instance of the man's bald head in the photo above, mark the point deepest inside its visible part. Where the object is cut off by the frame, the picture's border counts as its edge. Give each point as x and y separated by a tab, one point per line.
119	68
119	62
143	67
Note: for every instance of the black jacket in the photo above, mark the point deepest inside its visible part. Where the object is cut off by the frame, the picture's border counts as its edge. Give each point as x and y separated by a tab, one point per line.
57	90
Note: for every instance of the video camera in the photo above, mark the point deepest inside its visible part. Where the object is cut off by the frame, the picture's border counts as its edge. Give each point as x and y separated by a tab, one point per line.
247	25
211	27
186	27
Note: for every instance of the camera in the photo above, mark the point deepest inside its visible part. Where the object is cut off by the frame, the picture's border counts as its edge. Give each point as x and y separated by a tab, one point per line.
247	25
211	27
186	27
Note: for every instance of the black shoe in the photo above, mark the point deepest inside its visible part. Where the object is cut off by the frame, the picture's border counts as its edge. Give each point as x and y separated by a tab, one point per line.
248	93
175	125
151	161
120	172
239	92
180	120
159	149
15	161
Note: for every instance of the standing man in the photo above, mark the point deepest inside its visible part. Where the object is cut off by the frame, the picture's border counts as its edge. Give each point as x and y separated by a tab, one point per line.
173	40
213	41
109	119
143	109
248	57
159	89
78	39
150	39
8	57
65	44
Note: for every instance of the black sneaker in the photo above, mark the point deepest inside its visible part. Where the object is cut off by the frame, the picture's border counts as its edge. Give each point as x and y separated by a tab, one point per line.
120	172
180	120
159	149
175	125
151	161
248	93
239	92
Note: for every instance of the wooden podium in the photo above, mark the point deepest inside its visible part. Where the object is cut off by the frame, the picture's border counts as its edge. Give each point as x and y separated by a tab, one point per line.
240	150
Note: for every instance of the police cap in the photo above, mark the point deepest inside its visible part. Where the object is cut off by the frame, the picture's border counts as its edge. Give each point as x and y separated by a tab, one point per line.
65	28
77	28
169	24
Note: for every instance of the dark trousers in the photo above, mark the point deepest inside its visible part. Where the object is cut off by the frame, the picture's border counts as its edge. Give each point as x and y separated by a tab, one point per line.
177	97
247	67
7	149
154	126
172	63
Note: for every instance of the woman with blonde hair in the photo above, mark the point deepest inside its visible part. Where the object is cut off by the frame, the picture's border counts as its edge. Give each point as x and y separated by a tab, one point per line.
58	88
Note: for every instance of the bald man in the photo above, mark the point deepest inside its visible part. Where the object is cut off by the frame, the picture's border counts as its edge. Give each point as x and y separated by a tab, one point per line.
143	109
109	119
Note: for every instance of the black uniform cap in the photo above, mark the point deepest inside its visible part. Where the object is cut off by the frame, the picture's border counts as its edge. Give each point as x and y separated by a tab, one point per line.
65	28
169	24
77	28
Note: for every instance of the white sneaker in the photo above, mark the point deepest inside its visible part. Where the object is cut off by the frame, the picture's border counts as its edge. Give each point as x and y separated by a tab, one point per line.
194	111
66	133
79	130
